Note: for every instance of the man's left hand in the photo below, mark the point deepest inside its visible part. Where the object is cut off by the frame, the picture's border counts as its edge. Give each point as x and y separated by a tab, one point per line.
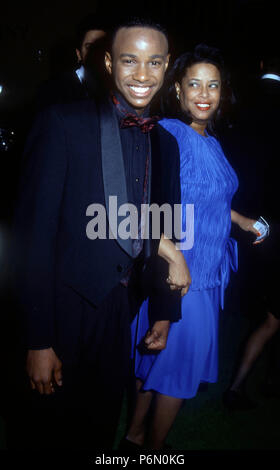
156	338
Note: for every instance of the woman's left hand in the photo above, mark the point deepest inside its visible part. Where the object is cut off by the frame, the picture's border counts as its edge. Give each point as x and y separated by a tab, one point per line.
248	225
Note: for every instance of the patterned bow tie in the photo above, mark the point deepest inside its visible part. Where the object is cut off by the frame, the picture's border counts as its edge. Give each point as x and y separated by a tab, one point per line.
145	124
130	119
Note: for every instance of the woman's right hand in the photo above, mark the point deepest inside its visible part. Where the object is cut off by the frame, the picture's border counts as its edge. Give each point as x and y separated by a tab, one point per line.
179	277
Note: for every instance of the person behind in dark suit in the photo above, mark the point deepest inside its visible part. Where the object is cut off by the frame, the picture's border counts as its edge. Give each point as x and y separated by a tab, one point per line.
256	159
87	80
79	281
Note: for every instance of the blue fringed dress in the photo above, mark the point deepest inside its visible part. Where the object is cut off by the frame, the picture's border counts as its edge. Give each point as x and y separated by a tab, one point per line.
191	355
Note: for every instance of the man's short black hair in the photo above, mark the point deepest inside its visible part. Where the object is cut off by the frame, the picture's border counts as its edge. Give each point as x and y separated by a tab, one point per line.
134	22
92	21
271	63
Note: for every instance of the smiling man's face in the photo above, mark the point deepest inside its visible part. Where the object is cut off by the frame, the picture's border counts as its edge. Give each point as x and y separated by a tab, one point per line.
140	59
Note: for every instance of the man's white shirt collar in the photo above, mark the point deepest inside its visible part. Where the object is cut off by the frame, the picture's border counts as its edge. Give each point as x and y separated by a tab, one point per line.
271	76
81	73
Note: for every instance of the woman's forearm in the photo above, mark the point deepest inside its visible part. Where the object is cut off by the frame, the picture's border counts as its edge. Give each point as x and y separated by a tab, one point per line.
245	223
235	217
167	250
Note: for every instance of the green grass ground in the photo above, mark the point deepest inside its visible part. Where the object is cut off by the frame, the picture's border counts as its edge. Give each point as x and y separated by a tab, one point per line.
204	424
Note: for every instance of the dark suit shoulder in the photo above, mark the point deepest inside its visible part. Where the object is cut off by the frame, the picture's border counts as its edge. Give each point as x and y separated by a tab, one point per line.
68	116
74	109
166	136
165	145
63	89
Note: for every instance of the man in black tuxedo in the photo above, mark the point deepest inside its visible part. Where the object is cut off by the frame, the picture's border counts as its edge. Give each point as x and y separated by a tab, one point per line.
255	158
77	291
86	81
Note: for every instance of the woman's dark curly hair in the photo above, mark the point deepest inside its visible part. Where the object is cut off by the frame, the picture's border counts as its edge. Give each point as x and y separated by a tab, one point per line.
201	54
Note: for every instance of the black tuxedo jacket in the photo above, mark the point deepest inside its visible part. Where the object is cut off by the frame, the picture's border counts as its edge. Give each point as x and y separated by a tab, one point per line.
252	145
60	90
68	88
73	158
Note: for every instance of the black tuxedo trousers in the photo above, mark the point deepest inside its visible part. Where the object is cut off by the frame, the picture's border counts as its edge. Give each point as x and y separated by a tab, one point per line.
84	412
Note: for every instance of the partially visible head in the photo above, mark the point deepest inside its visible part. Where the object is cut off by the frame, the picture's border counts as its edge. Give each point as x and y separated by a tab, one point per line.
137	61
270	63
91	29
197	86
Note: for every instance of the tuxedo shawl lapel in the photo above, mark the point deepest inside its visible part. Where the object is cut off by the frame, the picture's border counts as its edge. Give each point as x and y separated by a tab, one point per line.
147	243
114	179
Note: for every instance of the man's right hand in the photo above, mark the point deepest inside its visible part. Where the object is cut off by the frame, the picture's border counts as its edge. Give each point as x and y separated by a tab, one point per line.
44	369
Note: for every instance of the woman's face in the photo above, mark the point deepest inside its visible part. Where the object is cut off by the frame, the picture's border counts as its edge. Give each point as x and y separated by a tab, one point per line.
200	92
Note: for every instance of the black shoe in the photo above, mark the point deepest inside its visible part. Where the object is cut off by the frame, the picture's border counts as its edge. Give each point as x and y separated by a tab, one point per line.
164	449
129	446
167	447
234	400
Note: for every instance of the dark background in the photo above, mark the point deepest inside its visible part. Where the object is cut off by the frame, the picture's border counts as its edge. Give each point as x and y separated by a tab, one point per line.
37	42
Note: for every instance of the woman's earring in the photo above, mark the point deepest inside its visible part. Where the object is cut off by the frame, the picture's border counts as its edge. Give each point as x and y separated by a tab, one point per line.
177	95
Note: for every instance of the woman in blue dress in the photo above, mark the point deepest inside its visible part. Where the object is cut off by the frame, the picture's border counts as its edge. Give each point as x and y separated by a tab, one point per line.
208	182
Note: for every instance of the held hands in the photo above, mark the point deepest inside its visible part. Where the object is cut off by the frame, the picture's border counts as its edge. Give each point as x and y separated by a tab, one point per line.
44	370
179	277
156	338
